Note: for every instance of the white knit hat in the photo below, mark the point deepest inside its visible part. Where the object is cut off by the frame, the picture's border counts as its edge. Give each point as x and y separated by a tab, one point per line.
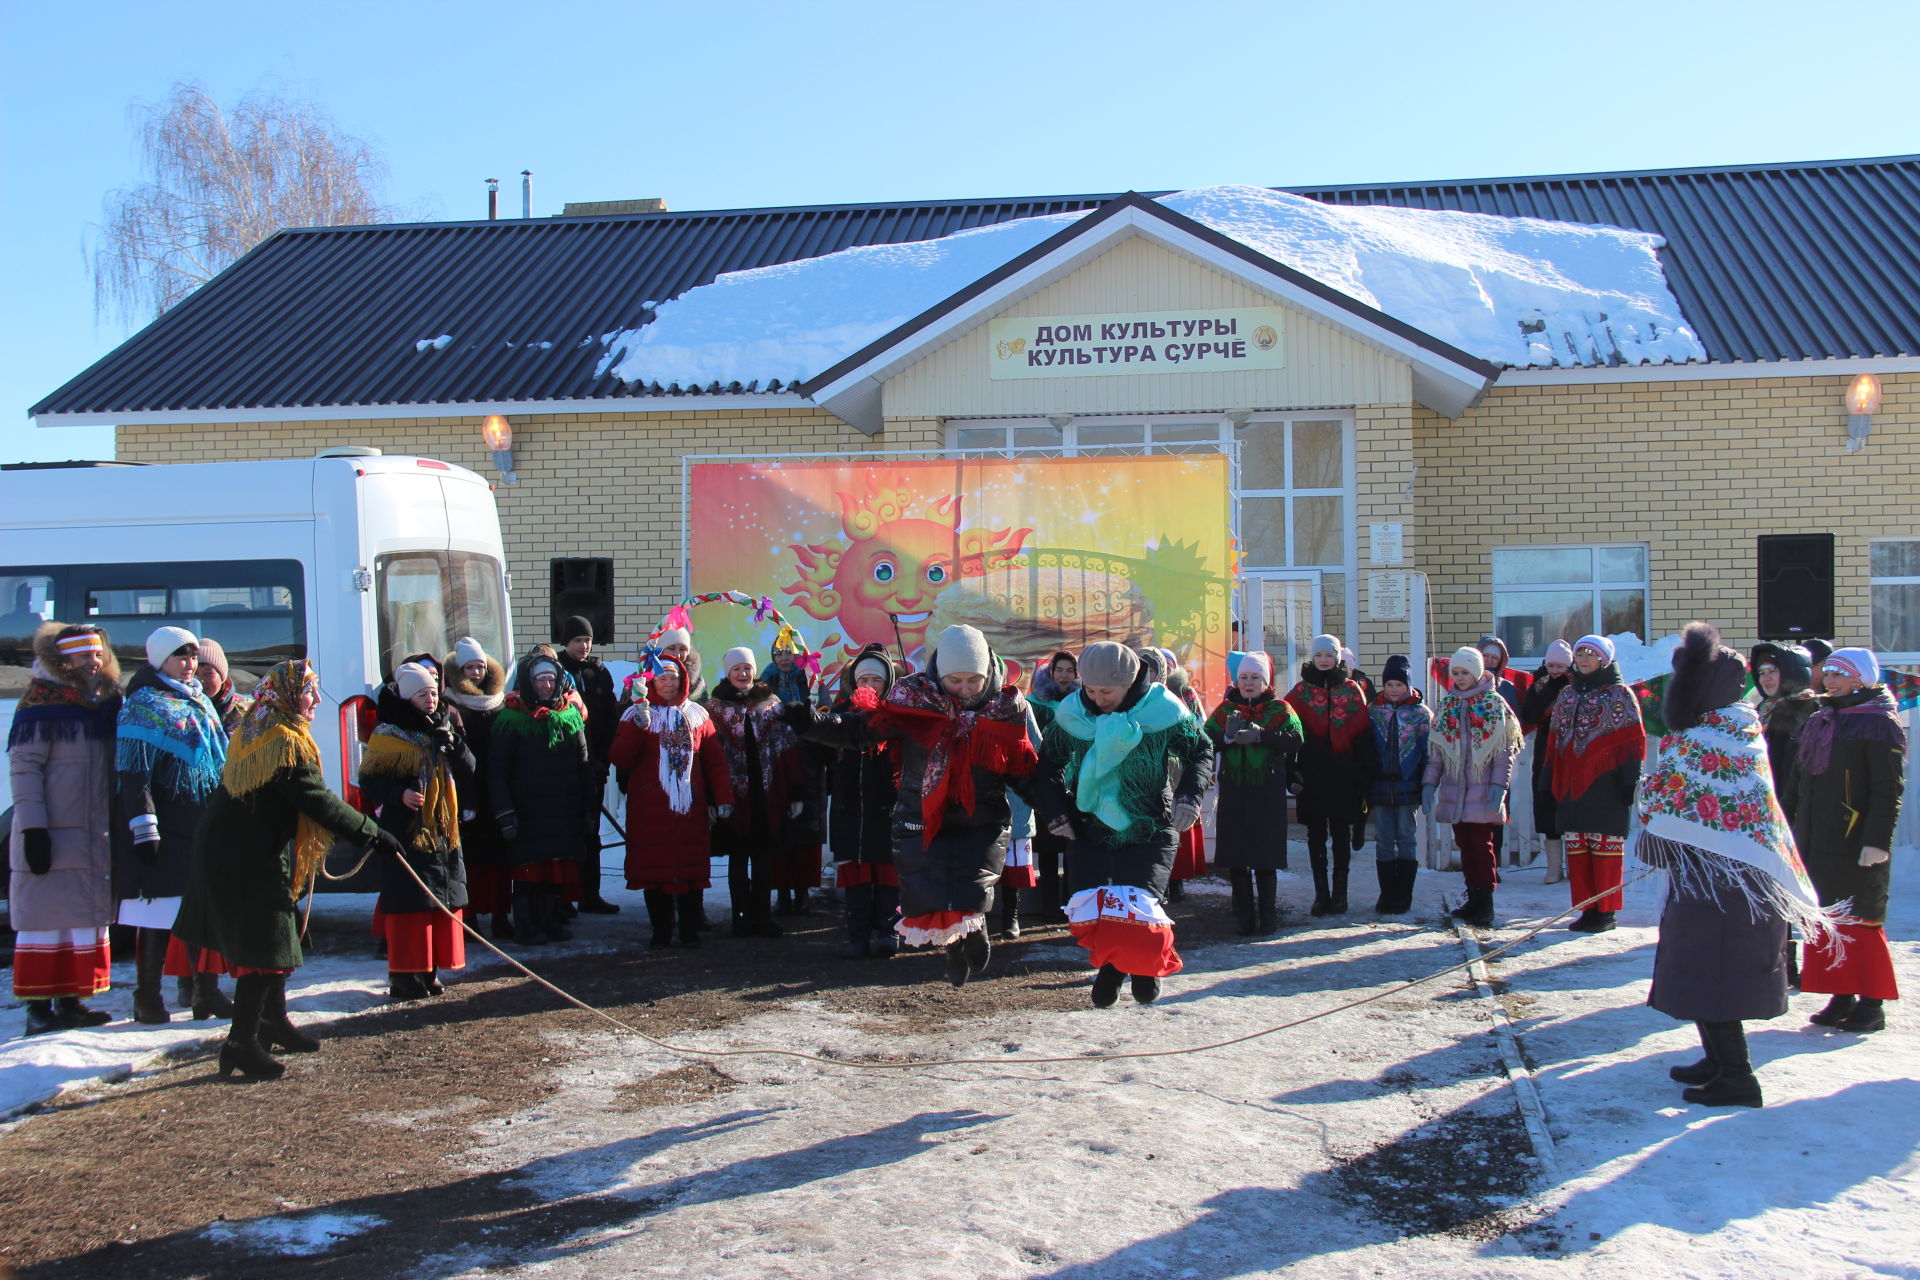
1471	658
877	663
466	649
675	635
962	649
1561	652
1324	644
735	656
163	642
411	678
1599	644
1259	658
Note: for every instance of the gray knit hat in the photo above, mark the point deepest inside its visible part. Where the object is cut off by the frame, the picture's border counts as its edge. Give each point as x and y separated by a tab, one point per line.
1107	665
963	649
1325	644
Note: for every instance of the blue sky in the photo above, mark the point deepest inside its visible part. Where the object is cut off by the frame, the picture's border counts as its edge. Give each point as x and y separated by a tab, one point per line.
746	104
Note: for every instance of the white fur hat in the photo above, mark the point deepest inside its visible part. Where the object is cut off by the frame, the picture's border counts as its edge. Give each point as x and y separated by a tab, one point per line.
163	642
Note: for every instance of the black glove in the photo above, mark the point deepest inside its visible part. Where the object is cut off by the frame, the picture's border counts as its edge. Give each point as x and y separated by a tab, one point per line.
798	715
384	841
620	777
509	825
37	844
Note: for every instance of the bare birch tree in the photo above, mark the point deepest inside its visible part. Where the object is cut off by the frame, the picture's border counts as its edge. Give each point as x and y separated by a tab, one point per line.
217	184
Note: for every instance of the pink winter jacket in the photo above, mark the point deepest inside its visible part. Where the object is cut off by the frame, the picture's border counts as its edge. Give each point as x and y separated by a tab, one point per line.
1470	755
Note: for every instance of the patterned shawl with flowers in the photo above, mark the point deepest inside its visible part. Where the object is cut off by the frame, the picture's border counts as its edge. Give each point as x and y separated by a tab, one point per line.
1331	706
1595	728
1711	788
170	731
678	725
1472	726
957	740
275	736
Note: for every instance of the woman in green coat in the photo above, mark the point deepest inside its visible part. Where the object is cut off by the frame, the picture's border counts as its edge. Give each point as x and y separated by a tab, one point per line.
267	827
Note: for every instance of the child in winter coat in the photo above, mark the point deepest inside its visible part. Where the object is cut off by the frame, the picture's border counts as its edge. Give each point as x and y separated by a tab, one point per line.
669	752
1597	743
1401	723
1470	757
1336	767
1256	736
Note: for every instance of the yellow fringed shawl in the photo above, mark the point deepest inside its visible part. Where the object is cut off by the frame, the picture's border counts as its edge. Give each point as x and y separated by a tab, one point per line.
390	755
252	761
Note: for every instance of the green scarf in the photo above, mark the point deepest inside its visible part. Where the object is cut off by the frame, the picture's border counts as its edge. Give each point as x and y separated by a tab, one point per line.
1246	766
553	725
1099	781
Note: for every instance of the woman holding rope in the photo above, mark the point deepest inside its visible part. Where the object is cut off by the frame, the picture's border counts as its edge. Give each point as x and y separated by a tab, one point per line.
963	742
266	831
1104	781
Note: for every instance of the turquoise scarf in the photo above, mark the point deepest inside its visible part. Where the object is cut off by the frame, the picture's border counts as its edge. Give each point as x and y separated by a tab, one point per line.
1113	736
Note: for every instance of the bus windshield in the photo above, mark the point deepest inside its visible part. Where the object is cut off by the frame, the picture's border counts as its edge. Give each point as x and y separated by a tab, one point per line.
429	599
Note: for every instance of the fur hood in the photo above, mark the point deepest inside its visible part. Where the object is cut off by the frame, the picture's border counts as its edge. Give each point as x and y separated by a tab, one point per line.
485	695
1706	676
46	657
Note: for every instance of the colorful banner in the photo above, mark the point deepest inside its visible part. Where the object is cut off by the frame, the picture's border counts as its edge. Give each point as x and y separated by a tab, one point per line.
1220	341
1041	554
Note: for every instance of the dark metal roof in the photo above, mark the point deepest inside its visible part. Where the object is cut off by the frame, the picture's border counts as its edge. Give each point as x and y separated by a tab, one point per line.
1772	262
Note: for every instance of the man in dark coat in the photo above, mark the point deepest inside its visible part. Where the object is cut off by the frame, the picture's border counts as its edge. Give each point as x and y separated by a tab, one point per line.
595	685
1852	773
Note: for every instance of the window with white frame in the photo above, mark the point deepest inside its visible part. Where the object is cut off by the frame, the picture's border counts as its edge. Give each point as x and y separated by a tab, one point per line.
1894	582
1543	594
1294	477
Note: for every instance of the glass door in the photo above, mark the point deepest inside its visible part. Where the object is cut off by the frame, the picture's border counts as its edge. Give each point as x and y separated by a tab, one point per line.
1282	610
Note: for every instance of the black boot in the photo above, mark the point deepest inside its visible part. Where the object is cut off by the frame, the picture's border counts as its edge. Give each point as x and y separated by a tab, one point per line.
1388	877
760	916
407	986
1322	891
660	916
977	949
1244	923
243	1051
1592	921
1106	986
149	954
886	913
686	907
41	1018
209	1002
1010	914
1145	989
502	927
1342	859
1702	1071
1176	891
276	1029
956	964
1838	1010
529	926
1734	1085
1793	964
1869	1015
1267	902
74	1012
1405	872
592	902
782	902
1477	910
555	910
857	901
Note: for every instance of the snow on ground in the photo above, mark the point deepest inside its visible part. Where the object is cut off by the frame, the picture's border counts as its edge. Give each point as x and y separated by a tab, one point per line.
1325	1150
1516	291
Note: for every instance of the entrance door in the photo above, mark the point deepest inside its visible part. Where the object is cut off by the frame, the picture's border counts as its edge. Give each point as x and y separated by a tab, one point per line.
1282	609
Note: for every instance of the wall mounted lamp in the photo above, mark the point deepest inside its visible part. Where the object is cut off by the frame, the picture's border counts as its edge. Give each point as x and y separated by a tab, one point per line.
497	434
1863	401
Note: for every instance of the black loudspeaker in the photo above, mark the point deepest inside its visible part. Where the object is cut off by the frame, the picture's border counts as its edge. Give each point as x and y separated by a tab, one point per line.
583	585
1796	586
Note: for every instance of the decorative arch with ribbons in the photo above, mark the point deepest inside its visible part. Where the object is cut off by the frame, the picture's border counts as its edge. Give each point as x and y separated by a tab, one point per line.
681	616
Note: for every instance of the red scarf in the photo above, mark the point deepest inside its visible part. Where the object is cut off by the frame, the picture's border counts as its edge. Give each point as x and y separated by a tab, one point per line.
1338	715
957	741
1594	730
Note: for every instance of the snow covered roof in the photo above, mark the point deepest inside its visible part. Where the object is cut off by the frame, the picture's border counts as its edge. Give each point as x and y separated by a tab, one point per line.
1511	291
1767	263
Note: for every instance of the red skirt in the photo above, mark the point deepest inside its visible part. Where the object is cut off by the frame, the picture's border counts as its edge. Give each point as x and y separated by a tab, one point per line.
422	941
938	928
1867	969
564	872
1125	927
1191	861
50	963
1018	873
178	966
849	873
489	891
797	867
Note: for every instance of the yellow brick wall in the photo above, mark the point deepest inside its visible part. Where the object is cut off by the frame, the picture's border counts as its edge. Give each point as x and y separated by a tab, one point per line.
1383	449
589	484
1696	470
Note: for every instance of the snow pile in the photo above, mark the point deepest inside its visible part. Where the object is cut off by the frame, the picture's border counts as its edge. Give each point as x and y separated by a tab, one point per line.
1515	291
1640	660
305	1233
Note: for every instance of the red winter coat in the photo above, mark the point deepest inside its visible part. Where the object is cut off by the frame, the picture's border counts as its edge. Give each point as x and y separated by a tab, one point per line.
669	848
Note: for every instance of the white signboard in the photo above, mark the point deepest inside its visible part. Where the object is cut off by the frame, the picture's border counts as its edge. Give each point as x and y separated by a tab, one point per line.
1143	342
1386	595
1387	544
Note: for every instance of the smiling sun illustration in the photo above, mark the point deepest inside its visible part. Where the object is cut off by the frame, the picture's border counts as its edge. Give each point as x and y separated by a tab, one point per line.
894	561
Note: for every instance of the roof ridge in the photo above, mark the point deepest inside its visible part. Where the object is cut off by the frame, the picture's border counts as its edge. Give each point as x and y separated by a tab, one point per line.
1603	174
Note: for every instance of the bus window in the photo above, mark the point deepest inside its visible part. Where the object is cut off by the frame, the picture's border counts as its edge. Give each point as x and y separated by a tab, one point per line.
256	609
429	599
26	601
